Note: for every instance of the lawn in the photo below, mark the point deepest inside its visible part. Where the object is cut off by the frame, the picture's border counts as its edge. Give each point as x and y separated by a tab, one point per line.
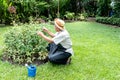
96	56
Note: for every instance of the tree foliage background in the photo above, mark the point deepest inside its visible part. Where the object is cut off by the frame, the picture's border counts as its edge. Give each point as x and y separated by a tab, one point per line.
49	9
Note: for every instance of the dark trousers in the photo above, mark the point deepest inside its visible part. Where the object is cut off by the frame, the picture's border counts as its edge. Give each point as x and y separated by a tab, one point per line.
57	54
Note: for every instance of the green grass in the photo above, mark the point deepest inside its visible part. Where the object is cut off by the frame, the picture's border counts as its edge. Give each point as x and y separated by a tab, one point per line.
96	56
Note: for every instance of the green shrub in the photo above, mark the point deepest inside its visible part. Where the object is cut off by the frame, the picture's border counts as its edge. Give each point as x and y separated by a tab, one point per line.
69	15
82	16
24	45
109	20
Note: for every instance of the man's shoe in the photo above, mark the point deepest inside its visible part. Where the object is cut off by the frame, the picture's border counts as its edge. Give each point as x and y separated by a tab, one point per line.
68	61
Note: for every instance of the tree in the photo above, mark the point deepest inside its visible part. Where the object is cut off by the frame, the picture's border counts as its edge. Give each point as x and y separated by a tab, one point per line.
81	6
3	10
90	7
103	7
117	8
57	7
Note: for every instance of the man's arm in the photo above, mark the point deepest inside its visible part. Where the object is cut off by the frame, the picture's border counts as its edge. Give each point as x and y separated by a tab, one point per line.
45	37
49	32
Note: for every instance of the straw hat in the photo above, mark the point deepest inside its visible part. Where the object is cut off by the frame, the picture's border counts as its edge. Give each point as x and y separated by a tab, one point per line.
59	23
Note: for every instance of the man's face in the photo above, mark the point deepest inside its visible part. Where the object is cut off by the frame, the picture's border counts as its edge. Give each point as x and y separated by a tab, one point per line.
56	29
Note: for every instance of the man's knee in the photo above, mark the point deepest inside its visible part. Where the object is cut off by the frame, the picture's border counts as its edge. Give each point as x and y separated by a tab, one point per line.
51	58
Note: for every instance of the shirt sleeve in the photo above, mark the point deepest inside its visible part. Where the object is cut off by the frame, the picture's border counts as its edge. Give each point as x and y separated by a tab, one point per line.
59	38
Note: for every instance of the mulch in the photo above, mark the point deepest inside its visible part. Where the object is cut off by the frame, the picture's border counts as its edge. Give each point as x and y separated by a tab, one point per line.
5	58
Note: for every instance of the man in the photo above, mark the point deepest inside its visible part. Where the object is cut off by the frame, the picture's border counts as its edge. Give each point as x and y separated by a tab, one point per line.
60	45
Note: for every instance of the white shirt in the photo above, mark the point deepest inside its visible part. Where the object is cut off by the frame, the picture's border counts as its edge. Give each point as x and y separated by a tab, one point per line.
63	38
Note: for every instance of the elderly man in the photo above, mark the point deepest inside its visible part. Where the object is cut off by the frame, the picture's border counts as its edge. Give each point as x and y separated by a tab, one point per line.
60	45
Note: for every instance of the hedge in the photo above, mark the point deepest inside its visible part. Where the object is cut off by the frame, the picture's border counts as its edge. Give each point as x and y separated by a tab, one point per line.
108	20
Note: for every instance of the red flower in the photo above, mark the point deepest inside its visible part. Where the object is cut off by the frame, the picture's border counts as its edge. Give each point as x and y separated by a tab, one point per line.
12	9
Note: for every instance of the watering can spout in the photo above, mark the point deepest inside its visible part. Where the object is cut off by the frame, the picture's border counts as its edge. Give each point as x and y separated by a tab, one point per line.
27	65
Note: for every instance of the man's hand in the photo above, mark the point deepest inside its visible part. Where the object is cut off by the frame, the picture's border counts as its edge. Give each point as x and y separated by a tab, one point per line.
45	29
40	33
50	40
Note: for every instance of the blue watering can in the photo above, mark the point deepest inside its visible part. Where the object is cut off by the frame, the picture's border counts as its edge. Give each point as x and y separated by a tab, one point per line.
31	70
